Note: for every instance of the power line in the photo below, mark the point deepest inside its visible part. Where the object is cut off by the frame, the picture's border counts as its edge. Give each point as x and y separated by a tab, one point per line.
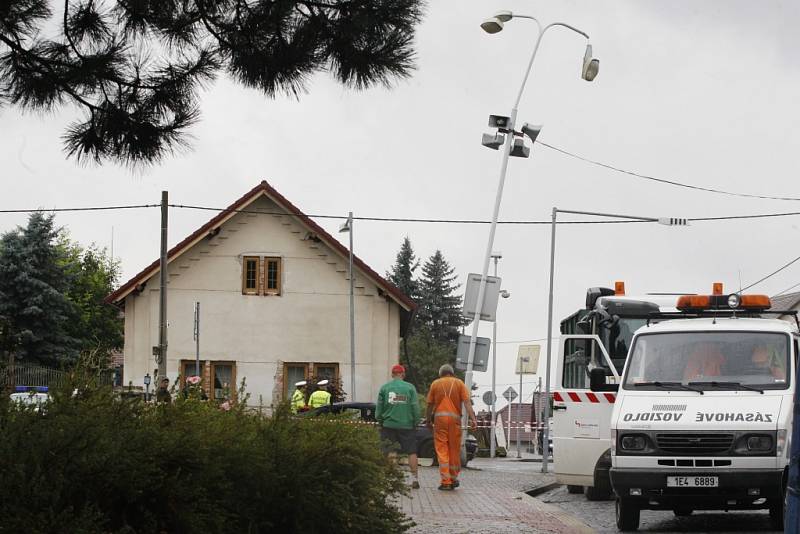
662	180
772	273
787	289
90	208
480	221
397	219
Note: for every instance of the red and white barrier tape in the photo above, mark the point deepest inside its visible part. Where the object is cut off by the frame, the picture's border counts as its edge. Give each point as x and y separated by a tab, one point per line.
584	396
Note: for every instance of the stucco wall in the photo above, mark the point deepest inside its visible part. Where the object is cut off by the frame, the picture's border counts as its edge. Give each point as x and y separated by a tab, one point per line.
308	322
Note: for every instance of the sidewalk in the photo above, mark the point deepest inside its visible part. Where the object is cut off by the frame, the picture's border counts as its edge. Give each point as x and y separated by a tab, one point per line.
491	499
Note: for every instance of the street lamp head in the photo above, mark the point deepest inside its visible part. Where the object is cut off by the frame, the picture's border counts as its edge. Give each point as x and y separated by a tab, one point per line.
492	25
345	227
504	15
505	294
591	65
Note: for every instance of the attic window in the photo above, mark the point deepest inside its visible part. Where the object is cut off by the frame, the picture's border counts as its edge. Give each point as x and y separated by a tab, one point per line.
251	267
272	276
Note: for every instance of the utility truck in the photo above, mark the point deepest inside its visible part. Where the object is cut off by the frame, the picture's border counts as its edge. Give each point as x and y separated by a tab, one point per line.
703	409
595	337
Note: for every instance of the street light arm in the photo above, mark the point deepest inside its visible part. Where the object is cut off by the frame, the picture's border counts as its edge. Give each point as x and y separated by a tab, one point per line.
536	48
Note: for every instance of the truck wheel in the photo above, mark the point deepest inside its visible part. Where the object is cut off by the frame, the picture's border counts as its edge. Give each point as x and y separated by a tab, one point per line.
574	489
595	493
777	509
627	515
682	512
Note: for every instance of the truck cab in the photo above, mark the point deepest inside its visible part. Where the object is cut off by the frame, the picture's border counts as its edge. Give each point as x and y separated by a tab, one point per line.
703	411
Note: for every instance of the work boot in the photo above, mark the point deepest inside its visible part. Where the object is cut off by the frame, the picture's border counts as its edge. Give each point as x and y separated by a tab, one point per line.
446	487
456	484
415	484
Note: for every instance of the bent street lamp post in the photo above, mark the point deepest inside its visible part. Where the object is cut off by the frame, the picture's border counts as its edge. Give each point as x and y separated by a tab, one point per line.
666	221
590	68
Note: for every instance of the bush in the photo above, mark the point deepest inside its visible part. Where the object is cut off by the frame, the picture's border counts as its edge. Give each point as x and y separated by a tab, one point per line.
95	462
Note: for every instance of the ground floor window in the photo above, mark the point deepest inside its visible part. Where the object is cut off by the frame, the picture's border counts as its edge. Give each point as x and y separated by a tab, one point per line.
219	378
294	372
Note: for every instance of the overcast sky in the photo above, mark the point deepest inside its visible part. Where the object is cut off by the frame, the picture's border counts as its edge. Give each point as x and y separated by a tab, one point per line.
698	92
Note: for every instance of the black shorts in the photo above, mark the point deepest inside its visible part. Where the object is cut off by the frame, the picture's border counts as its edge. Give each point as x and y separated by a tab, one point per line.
399	440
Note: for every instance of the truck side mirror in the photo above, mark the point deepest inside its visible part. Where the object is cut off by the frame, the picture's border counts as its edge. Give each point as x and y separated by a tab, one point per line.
597	380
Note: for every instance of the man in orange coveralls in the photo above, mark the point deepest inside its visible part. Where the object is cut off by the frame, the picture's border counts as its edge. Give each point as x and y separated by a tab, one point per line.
445	397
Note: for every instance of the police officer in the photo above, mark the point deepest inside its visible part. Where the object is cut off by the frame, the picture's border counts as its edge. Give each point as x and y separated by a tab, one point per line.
321	397
298	397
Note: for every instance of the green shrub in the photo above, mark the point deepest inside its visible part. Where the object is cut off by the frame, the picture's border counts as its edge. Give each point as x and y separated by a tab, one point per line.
97	463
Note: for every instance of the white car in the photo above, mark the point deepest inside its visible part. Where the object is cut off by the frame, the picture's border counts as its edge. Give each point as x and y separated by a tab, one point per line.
31	396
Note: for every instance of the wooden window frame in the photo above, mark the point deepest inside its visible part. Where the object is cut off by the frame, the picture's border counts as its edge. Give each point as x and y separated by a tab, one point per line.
273	291
288	389
246	290
232	385
192	362
335	365
310	370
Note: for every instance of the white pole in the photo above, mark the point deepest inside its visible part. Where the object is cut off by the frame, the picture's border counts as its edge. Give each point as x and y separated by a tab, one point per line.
196	338
546	421
495	214
508	441
519	410
352	317
492	437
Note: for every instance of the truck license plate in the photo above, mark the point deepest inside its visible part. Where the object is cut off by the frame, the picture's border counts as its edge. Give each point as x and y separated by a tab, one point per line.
692	482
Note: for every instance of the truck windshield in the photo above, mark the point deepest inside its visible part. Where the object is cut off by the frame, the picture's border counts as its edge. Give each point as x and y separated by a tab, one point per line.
617	338
710	360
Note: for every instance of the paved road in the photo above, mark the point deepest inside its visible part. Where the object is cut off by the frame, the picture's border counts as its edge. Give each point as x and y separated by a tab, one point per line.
491	500
600	516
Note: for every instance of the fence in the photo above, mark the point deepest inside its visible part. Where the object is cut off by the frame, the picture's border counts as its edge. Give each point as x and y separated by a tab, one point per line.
35	375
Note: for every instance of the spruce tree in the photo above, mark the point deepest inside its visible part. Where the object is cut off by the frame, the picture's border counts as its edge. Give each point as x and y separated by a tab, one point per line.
440	303
402	272
134	67
34	279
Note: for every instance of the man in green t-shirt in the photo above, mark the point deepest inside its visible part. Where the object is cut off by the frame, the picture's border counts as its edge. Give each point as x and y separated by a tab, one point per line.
397	411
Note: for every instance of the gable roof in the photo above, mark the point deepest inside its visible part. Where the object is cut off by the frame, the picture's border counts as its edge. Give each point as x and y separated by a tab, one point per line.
785	302
262	189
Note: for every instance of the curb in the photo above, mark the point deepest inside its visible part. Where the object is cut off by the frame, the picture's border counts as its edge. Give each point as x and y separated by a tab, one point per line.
538	490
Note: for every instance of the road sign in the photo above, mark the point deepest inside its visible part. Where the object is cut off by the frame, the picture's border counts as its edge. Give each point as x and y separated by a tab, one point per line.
510	394
489	397
481	360
490	297
527	359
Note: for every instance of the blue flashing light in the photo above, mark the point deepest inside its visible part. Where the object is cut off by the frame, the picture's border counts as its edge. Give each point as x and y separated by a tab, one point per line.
38	389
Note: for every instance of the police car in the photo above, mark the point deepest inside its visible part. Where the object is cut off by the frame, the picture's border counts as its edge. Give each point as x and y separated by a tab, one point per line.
35	396
703	411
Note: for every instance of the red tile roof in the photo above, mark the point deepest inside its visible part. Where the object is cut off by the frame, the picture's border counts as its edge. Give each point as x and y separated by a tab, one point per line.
262	189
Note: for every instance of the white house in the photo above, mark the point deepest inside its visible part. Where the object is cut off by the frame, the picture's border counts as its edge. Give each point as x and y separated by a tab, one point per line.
274	302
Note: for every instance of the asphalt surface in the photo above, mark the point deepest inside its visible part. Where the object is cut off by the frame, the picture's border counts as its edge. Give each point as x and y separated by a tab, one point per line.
600	516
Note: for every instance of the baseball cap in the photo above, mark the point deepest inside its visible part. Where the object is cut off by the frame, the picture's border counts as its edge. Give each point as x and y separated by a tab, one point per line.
397	369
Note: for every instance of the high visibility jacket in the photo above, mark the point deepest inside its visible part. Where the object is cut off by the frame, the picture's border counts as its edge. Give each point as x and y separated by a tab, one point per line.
447	394
319	398
298	400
